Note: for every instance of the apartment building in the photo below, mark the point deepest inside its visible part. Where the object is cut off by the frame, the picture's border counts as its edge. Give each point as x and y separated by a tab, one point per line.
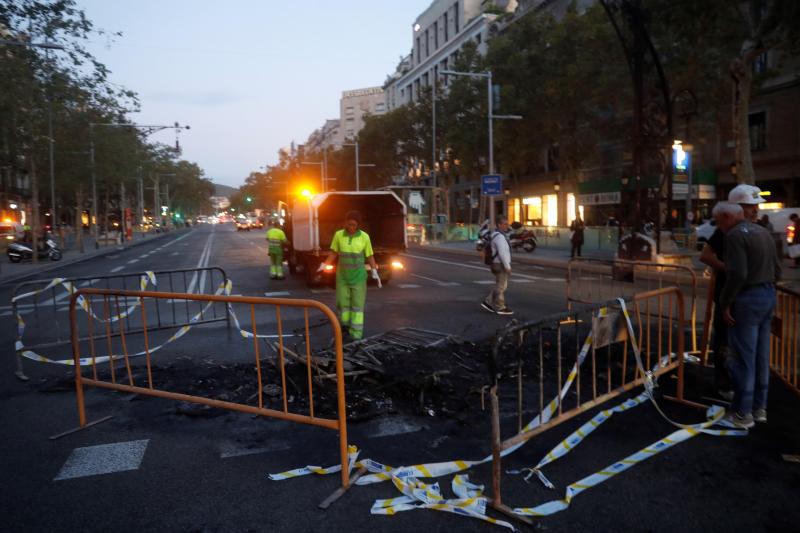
326	136
354	105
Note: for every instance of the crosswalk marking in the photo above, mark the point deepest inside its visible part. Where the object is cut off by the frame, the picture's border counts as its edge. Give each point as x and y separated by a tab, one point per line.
132	261
117	269
484	282
409	286
521	280
229	450
276	293
103	459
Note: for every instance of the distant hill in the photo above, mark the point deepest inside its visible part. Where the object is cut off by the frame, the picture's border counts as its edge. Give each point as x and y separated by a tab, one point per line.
224	190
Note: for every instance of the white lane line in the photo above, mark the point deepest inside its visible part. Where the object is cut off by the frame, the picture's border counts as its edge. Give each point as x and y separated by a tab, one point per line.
6	313
276	293
103	459
201	263
321	291
520	280
132	261
175	253
483	268
410	286
484	282
117	269
442	283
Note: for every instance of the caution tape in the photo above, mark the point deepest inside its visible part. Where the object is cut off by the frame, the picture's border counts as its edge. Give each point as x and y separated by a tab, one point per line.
714	415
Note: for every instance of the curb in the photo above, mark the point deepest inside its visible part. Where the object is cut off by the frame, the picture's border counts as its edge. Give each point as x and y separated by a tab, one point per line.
86	256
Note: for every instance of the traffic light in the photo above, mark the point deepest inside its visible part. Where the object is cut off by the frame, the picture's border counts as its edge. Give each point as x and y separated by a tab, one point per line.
249	199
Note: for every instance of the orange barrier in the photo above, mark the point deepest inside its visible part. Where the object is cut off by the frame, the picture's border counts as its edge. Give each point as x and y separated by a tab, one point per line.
109	301
785	339
582	359
594	281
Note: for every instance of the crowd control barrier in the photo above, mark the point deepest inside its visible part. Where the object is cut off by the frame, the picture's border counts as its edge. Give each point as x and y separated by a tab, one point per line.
39	308
114	369
594	281
581	359
785	339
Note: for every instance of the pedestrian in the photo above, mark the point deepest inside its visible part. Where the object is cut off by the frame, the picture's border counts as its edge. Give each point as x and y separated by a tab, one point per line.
752	267
351	248
795	218
765	223
713	255
576	238
747	196
276	240
500	251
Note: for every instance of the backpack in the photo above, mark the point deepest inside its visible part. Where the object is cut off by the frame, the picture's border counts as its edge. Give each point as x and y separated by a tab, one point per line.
488	255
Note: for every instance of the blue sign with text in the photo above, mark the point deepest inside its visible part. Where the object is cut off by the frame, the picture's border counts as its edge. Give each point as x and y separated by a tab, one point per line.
492	185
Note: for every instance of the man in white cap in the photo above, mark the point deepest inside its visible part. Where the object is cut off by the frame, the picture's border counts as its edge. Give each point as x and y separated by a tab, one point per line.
747	196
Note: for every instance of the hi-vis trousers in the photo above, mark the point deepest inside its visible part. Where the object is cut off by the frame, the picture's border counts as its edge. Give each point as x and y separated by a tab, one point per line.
350	301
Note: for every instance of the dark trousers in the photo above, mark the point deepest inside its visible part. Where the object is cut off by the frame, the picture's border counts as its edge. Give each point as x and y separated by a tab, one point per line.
576	247
719	344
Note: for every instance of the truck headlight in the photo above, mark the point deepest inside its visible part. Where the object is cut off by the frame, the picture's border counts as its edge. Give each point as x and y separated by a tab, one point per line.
397	265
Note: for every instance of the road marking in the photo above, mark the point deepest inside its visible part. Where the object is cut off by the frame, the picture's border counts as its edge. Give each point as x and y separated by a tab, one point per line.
484	269
276	293
321	291
484	281
409	286
117	269
103	459
132	261
175	253
442	283
521	280
231	450
393	426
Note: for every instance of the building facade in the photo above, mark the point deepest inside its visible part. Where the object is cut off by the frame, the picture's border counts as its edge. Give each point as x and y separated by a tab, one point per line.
353	106
327	136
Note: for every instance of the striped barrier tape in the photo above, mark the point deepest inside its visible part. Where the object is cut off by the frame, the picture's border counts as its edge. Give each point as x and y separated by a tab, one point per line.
714	415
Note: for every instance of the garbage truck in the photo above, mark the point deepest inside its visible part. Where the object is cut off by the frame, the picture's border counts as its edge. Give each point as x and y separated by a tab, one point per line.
314	219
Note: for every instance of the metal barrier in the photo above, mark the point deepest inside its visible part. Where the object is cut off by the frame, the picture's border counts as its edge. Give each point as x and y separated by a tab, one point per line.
49	301
594	281
785	338
580	359
121	377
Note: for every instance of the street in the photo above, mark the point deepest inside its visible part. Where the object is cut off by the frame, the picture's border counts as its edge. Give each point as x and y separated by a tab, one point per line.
159	468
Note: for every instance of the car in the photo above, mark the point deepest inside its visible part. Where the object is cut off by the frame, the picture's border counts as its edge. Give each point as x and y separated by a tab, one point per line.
242	223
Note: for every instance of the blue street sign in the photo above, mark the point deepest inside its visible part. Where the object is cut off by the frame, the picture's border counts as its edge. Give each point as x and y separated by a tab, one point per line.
492	185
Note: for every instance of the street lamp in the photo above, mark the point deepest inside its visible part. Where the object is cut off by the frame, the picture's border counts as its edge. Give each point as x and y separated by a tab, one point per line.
682	157
491	117
358	165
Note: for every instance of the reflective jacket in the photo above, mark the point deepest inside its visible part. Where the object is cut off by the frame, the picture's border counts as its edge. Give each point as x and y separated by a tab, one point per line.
353	251
275	239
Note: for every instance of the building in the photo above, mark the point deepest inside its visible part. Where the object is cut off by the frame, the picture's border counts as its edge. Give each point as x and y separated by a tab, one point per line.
437	35
327	136
354	105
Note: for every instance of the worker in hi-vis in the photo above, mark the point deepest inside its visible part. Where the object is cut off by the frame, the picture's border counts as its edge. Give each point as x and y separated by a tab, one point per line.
276	240
352	247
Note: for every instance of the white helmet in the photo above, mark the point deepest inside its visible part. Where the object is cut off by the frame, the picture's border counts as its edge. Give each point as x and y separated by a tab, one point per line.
745	194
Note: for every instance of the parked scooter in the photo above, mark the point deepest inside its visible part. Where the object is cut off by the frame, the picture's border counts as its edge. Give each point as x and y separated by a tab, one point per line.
521	238
19	250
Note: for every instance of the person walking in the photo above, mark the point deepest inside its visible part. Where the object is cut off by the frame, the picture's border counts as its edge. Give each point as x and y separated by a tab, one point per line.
495	302
752	267
351	248
576	238
276	240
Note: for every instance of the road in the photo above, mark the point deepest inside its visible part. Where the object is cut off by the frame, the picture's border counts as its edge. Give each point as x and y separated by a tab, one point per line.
167	472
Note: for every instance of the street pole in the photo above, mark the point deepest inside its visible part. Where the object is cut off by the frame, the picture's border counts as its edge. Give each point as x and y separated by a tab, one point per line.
156	201
435	208
358	187
688	149
325	169
491	141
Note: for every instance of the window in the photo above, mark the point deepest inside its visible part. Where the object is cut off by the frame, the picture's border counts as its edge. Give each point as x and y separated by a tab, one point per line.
446	27
436	35
380	107
758	130
425	80
761	63
478	38
419	57
455	17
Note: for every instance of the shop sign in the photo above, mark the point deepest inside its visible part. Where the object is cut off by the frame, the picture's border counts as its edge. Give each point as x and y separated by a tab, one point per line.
600	198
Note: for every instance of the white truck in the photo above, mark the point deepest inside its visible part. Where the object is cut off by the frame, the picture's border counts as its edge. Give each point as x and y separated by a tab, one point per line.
314	220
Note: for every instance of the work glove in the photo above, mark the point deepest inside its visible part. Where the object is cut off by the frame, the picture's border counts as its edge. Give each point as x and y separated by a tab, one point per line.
377	278
320	268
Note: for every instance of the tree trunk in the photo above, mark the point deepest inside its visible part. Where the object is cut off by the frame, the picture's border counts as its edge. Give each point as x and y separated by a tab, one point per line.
79	218
742	74
34	211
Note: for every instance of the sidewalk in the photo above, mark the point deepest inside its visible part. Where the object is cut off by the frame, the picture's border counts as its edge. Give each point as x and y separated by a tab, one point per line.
11	272
558	258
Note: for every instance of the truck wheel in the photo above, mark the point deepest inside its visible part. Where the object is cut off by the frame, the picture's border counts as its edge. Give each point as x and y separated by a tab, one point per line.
310	268
292	265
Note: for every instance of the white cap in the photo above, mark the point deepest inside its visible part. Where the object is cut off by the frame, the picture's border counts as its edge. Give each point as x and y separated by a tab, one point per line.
746	194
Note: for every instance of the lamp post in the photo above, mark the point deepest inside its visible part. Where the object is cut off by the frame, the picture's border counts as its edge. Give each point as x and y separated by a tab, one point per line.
490	118
358	164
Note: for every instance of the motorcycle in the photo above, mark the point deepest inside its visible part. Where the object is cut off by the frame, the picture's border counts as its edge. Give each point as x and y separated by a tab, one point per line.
17	251
521	238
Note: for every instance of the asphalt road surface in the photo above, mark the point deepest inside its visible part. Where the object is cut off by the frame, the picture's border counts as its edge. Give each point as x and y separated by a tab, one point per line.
150	469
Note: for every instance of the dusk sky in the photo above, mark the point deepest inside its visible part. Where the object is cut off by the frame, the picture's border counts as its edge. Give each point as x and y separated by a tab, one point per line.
248	76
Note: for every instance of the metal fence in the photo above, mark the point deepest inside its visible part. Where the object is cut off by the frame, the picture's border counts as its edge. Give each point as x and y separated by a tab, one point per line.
40	306
110	360
785	339
564	365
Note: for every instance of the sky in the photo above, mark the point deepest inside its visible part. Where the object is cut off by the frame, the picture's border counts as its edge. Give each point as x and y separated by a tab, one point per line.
247	76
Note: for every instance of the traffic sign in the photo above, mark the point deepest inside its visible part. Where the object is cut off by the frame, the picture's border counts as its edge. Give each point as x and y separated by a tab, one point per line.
491	185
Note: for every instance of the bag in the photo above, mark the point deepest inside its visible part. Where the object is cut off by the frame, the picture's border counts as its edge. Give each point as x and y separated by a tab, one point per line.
488	256
794	251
